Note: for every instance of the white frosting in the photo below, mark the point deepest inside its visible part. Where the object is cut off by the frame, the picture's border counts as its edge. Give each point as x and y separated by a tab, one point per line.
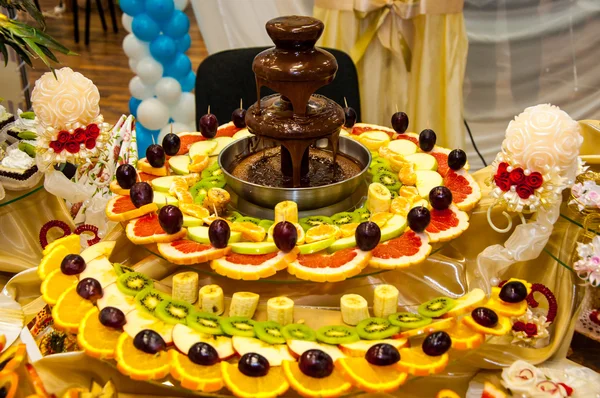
3	112
17	159
25	124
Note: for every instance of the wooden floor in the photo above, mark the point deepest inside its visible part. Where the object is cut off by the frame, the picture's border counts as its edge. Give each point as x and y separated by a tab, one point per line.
103	60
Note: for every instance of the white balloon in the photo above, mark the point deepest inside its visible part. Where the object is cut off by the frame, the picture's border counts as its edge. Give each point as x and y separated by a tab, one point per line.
149	70
133	63
135	48
168	90
126	20
139	90
177	128
153	114
185	109
180	4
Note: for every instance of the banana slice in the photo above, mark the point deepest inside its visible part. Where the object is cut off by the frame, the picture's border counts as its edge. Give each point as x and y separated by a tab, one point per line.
385	301
216	200
243	304
210	299
379	198
281	310
185	287
354	309
286	211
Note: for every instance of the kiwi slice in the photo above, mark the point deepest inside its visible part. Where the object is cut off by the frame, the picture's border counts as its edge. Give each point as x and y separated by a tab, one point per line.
376	329
379	169
313	221
199	199
394	194
409	320
374	155
337	334
149	299
389	179
345	217
269	332
297	331
215	182
253	220
233	216
363	213
212	171
266	224
173	311
204	322
380	162
237	326
121	269
132	283
436	307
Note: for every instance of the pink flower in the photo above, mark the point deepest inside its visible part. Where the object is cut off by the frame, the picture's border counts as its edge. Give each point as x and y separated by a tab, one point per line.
595	260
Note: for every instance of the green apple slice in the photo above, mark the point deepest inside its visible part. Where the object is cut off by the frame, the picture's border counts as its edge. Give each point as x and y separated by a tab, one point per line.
426	181
393	228
222	142
254	247
423	161
180	164
189	221
241	134
162	199
202	148
314	247
200	235
162	184
402	147
341	244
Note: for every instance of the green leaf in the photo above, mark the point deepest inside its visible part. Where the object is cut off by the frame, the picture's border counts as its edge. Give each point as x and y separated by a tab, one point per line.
4	51
49	53
38	51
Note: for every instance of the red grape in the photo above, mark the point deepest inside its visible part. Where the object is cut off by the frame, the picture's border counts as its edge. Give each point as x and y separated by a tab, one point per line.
457	158
253	365
149	341
141	194
238	117
350	115
208	125
400	122
485	317
440	198
155	155
285	236
418	218
89	289
427	140
218	233
126	176
72	264
203	354
367	235
170	219
513	292
437	344
171	144
382	355
316	363
112	317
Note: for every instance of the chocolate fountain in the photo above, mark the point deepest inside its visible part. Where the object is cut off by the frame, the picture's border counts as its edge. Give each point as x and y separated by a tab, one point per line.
297	152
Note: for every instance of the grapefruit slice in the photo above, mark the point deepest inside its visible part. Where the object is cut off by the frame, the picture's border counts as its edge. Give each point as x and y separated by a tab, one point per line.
441	155
325	267
121	208
412	137
253	266
360	128
446	224
465	191
147	229
227	130
409	248
187	139
187	252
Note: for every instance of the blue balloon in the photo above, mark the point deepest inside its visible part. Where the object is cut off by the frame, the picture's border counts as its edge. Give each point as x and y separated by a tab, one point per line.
189	82
144	137
133	105
160	10
179	68
163	49
177	26
184	43
132	7
144	27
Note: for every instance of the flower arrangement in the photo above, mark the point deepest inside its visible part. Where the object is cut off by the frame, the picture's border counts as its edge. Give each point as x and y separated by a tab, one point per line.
588	265
524	379
530	330
585	192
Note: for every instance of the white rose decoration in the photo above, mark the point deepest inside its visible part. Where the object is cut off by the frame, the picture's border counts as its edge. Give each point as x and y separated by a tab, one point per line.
66	100
521	377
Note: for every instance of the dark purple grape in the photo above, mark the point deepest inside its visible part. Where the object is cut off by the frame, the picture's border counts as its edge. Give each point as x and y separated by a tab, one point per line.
72	264
457	158
485	317
440	198
238	117
171	144
285	236
203	354
513	292
126	176
149	341
208	125
382	355
155	155
316	363
400	122
141	194
427	140
350	115
253	365
367	236
218	233
112	317
170	219
89	289
436	344
418	218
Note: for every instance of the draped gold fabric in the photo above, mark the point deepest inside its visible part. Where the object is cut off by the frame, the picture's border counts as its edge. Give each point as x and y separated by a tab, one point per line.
410	55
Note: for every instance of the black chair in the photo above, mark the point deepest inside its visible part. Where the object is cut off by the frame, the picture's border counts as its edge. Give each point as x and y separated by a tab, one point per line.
226	77
88	13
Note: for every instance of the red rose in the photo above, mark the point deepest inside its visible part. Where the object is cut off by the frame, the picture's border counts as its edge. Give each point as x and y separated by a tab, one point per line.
79	135
502	168
517	176
534	180
56	146
63	137
568	390
90	143
530	329
72	147
524	191
518	326
502	181
92	131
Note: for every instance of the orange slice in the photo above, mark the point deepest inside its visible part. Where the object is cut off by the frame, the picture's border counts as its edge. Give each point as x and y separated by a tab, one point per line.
70	310
2	342
409	192
436	326
325	267
71	242
322	232
502	327
464	338
193	376
466	303
504	308
400	205
447	224
179	188
381	218
51	261
272	384
446	393
199	163
9	381
407	175
348	229
333	385
465	190
147	229
187	252
139	365
414	361
144	166
121	208
253	266
371	378
95	339
250	231
13	357
116	188
194	210
55	284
